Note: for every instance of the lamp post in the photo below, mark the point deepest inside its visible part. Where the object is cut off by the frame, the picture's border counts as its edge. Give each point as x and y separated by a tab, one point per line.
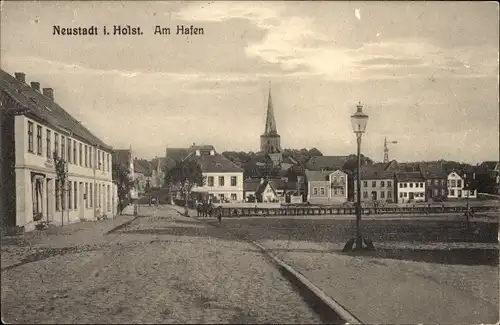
467	188
358	121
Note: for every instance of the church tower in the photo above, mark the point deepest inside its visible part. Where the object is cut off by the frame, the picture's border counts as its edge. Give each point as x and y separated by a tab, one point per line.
270	140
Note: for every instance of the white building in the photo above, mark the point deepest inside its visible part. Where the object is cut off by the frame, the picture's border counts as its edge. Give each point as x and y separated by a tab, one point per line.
457	188
326	187
224	180
410	187
36	128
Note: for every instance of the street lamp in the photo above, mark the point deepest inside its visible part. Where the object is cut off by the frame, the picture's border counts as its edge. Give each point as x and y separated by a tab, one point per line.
467	188
358	121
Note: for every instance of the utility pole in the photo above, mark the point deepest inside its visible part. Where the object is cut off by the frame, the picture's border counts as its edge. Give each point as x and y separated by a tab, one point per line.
386	149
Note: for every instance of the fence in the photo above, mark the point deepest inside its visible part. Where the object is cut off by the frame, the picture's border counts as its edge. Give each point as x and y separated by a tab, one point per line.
297	211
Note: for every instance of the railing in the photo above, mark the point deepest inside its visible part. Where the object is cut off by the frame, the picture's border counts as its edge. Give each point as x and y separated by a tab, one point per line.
297	211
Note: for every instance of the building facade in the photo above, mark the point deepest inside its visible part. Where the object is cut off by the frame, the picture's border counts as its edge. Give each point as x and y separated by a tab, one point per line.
435	182
376	184
223	179
457	187
326	187
38	134
410	187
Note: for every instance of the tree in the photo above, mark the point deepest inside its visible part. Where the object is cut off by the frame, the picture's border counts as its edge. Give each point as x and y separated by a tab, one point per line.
121	177
147	188
185	175
61	177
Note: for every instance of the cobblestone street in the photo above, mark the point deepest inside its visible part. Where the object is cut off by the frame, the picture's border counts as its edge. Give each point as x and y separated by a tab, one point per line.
162	268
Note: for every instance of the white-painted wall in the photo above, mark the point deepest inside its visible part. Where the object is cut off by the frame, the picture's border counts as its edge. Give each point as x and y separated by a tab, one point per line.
217	189
456	186
95	175
406	189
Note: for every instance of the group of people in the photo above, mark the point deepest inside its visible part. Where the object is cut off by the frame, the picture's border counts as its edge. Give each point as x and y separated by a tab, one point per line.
206	209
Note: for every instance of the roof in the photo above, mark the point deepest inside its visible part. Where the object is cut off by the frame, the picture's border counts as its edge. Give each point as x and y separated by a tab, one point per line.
216	163
375	171
176	154
45	109
122	157
142	166
409	177
430	171
251	185
490	165
326	162
317	175
263	186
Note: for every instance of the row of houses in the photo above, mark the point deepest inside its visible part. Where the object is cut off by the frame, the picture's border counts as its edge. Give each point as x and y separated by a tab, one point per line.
36	133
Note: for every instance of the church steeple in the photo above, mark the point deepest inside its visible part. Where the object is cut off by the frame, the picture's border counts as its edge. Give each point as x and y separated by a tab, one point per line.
270	140
270	121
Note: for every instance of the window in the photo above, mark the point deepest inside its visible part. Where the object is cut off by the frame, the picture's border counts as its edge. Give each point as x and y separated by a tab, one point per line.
49	146
63	198
69	150
429	181
405	184
459	183
30	136
70	191
91	163
471	192
109	162
389	184
382	195
315	191
221	196
39	139
221	180
104	161
443	191
400	185
405	194
374	183
210	181
75	160
90	197
411	184
452	192
86	195
99	159
389	195
63	147
453	183
436	192
86	159
322	191
75	196
80	154
400	194
365	184
382	183
365	194
108	201
233	196
56	144
436	182
233	180
58	195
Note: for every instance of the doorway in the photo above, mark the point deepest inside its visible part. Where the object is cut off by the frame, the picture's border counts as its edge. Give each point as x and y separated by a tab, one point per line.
81	207
411	196
374	195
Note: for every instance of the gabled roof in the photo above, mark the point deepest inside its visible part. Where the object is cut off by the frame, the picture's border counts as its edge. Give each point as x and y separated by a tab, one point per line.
251	185
45	109
316	175
122	157
263	186
326	162
142	166
374	172
176	154
409	177
490	165
432	171
216	163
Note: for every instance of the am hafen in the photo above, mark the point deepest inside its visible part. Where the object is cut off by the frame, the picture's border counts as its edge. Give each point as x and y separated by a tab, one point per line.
181	30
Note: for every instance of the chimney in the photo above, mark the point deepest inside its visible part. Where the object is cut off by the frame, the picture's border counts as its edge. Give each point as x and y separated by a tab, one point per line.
212	152
48	92
198	152
20	76
35	85
262	181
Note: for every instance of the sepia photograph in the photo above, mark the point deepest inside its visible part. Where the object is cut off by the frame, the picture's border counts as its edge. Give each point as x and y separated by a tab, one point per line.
249	162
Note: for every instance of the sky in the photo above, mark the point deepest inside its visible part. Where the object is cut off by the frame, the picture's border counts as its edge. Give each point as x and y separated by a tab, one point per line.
425	72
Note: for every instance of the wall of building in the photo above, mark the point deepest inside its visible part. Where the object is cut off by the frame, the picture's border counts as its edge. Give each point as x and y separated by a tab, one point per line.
435	187
405	191
7	162
90	174
384	189
227	189
319	193
456	186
